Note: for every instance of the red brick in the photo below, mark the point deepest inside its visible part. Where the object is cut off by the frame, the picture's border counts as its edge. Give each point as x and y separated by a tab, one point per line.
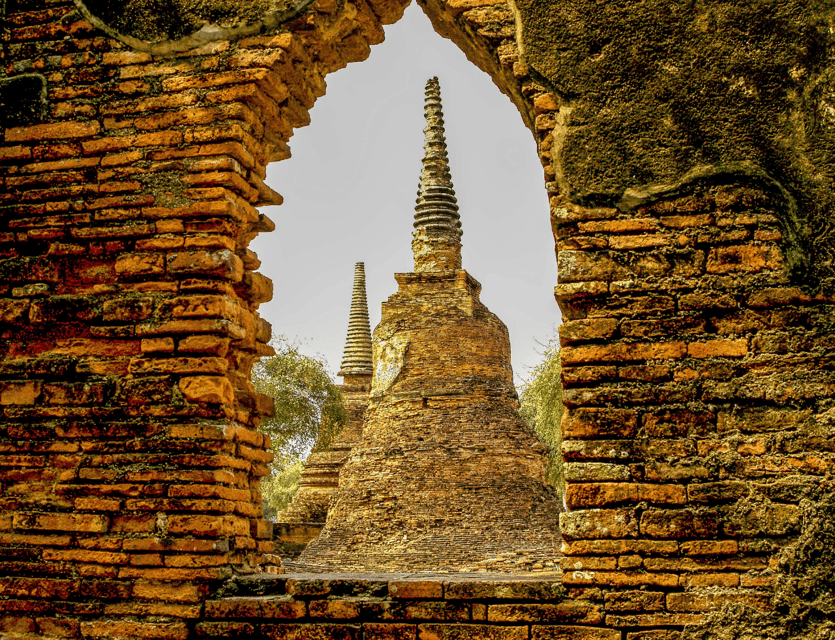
718	348
211	389
129	629
622	352
53	131
81	522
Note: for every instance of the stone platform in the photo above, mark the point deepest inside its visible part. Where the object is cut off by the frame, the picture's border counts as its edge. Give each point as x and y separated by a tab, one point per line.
403	606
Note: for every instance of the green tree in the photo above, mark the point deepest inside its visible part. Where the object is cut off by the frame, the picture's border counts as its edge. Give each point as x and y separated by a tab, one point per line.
309	412
542	408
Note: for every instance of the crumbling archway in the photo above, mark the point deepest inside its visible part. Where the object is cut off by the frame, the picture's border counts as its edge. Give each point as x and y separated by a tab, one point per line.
698	371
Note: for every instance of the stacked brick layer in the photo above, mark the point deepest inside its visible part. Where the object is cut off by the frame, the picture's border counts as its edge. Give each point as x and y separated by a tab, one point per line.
447	475
699	386
130	459
680	314
320	476
403	607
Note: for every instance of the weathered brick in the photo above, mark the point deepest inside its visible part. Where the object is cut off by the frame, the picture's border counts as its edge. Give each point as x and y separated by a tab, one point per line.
389	631
574	611
140	264
600	494
679	524
573	633
53	131
718	348
623	352
470	632
222	264
322	631
213	389
588	422
81	522
743	259
599	523
25	392
129	629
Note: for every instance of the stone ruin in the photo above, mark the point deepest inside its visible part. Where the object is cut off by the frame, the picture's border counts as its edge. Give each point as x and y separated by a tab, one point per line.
305	517
687	153
447	476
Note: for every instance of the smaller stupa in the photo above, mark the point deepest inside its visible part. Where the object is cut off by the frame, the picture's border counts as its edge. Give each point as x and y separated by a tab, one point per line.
447	476
305	516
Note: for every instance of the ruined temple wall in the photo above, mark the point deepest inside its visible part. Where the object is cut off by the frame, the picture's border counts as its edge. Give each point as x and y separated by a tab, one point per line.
128	314
698	370
699	397
320	476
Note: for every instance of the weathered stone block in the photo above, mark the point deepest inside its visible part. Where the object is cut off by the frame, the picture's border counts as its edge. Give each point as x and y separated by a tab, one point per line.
212	389
221	264
679	524
599	523
470	632
595	423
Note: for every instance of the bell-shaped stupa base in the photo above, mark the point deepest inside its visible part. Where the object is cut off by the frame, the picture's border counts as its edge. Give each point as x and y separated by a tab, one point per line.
447	476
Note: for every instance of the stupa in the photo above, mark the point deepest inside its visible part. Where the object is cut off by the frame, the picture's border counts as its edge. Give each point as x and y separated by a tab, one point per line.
447	476
305	516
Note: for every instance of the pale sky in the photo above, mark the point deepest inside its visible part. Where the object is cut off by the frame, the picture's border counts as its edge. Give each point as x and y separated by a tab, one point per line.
349	193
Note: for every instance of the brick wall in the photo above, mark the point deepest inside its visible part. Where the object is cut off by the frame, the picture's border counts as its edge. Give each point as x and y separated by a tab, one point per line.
698	374
130	460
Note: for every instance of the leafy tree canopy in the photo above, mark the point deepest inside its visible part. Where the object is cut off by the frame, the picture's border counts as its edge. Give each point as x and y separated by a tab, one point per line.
309	412
542	408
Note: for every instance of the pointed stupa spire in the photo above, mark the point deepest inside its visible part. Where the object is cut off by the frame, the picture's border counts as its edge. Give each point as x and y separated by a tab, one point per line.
437	236
356	359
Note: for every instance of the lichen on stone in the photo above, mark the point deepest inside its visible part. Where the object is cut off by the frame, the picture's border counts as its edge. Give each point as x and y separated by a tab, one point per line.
803	591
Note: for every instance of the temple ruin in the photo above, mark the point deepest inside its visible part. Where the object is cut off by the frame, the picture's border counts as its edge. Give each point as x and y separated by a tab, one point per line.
304	518
688	157
447	475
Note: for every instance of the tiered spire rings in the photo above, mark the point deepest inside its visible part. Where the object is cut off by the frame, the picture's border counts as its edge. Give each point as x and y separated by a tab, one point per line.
436	207
356	359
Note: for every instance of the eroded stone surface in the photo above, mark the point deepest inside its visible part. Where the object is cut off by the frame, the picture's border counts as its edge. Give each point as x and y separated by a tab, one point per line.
447	475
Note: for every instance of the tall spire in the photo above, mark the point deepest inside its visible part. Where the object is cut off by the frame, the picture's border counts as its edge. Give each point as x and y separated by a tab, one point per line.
437	236
356	359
